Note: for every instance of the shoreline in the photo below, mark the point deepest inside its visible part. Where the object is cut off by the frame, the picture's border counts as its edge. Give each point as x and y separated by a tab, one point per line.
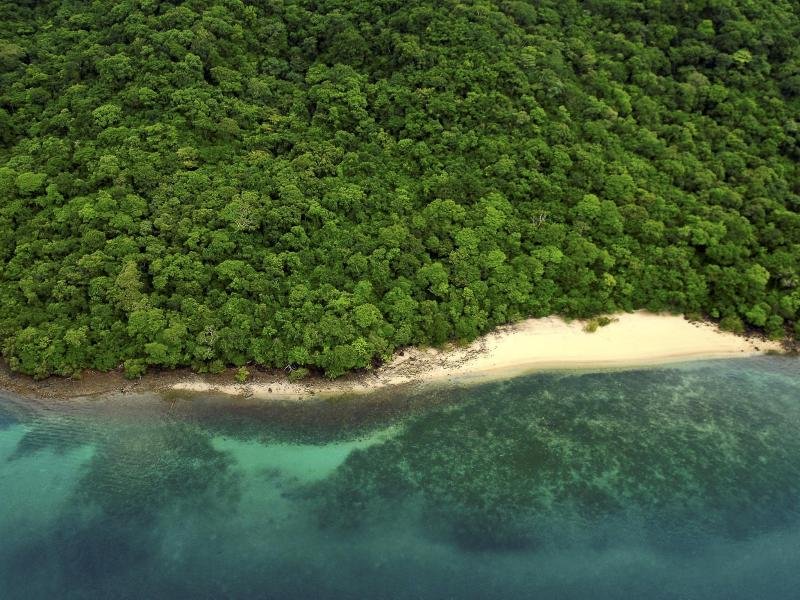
630	340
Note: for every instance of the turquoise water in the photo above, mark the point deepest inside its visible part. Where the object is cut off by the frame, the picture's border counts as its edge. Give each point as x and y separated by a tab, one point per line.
676	482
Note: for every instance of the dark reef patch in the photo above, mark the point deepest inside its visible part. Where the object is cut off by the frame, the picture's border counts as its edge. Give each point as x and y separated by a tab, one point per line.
674	450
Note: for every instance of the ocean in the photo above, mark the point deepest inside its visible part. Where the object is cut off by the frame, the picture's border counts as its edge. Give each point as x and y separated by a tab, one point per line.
672	482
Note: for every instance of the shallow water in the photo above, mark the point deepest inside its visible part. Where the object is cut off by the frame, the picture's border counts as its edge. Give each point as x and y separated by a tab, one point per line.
679	482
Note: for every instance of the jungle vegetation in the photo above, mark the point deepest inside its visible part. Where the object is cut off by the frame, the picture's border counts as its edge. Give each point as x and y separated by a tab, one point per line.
319	182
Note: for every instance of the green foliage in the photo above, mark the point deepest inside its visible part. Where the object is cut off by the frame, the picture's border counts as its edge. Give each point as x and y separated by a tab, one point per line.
134	367
222	183
28	182
732	323
298	374
593	325
603	321
242	374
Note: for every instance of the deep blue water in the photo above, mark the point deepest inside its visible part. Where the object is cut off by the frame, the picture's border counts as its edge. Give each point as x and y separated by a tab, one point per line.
679	482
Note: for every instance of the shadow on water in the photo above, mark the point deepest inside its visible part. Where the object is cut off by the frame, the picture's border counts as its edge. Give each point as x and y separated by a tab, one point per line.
111	522
59	434
12	411
579	486
6	419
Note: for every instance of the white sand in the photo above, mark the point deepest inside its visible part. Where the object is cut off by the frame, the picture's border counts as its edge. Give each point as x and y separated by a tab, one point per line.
633	339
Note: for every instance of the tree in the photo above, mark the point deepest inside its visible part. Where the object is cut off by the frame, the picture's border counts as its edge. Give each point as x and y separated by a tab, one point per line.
320	183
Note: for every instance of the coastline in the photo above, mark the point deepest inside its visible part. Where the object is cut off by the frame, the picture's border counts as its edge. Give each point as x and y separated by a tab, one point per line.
631	340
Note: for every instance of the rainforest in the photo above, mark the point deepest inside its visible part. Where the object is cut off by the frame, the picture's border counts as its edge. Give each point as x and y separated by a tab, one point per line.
317	183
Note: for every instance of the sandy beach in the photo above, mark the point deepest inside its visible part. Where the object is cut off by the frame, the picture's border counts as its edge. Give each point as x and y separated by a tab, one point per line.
630	340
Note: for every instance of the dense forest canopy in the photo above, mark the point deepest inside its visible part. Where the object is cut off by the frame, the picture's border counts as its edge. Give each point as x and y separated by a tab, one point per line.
320	182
